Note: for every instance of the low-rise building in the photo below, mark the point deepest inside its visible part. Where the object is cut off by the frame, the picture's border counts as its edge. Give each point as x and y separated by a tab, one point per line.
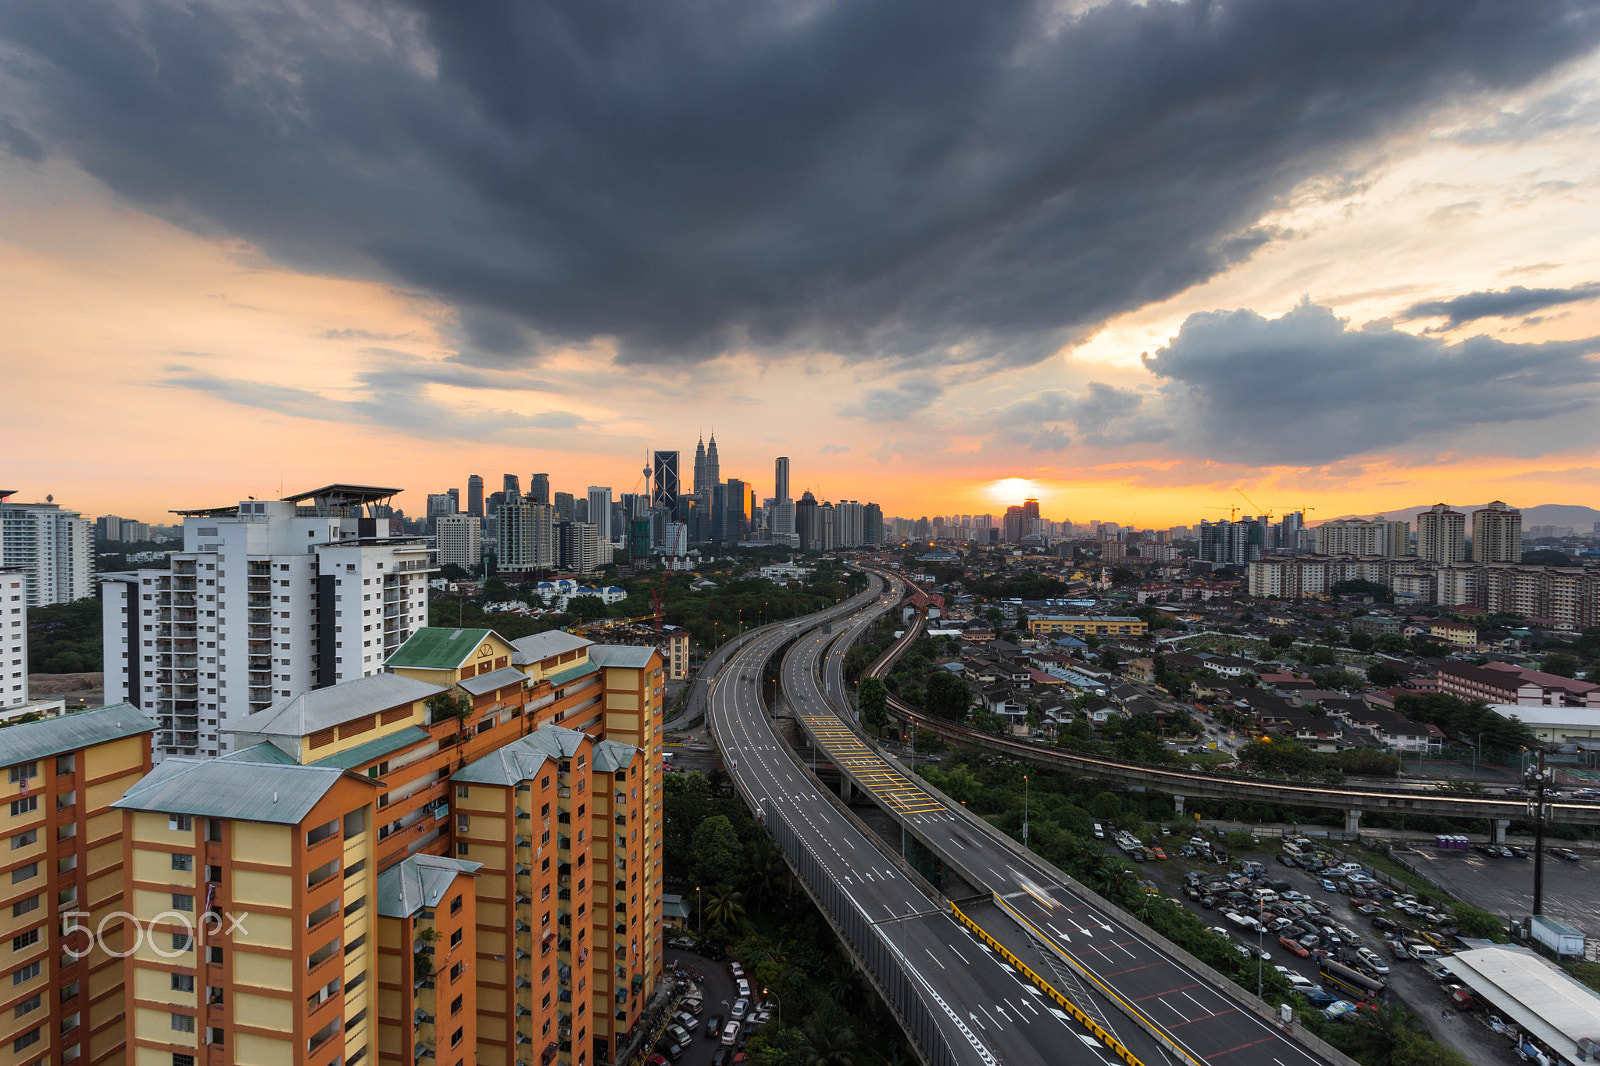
1087	625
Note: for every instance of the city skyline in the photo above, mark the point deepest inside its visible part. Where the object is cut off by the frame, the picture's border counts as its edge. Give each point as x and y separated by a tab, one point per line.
1362	304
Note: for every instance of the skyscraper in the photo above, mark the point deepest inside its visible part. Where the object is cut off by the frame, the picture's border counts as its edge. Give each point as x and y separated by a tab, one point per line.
1497	534
664	481
780	478
713	464
511	485
1442	535
268	599
700	482
475	495
539	488
806	524
527	541
600	510
53	548
563	506
737	523
460	541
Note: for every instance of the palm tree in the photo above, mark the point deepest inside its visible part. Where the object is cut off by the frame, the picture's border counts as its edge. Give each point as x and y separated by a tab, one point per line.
827	1042
724	907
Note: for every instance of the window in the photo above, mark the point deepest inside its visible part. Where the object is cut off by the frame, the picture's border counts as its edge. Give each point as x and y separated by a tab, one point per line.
182	901
178	1057
28	1039
182	942
24	940
183	823
182	862
183	982
64	764
22	771
24	805
461	792
22	840
24	975
456	971
22	873
29	1005
455	939
455	905
21	907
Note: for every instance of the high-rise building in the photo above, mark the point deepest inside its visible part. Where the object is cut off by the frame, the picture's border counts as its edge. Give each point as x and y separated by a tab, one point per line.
713	463
539	488
827	527
780	479
664	481
872	524
439	503
1357	536
475	495
1223	542
600	510
1442	535
737	522
1012	525
267	599
527	541
701	483
1497	534
580	547
54	549
564	507
460	541
851	519
66	890
808	528
511	485
13	641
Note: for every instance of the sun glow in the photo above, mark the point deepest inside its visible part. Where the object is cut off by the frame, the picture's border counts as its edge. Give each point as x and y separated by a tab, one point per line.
1012	490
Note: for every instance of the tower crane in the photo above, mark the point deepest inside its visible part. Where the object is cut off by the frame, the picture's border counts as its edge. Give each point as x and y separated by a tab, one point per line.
1264	514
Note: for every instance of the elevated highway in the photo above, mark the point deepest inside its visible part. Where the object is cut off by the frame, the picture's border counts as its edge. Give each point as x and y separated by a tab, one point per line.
959	1000
1194	1015
1353	800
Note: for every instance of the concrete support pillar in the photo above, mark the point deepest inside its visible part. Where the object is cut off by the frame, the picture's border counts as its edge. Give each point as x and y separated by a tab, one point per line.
1177	805
1500	827
1352	821
847	791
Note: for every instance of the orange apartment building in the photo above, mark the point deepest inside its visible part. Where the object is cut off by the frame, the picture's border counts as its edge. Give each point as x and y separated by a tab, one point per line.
391	765
64	874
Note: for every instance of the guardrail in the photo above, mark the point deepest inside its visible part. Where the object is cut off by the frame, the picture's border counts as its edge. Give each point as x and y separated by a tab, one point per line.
1044	986
869	944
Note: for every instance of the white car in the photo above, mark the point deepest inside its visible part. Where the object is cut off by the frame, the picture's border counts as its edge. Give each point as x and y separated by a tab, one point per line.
740	1007
1371	958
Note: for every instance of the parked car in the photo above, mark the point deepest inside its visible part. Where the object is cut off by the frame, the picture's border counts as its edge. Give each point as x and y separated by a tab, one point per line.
739	1009
730	1035
714	1026
1327	886
1292	946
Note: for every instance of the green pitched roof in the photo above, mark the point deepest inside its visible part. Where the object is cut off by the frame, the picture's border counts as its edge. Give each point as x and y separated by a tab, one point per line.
233	788
420	881
351	758
68	732
572	673
438	648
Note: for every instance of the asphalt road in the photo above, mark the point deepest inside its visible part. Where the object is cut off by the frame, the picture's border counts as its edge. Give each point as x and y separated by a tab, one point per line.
1205	1024
985	1011
1505	886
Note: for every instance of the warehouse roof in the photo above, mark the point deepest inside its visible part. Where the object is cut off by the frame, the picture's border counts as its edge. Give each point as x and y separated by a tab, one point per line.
1536	994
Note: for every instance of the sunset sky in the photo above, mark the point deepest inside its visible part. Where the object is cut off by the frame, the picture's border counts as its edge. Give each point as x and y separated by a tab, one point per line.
1343	255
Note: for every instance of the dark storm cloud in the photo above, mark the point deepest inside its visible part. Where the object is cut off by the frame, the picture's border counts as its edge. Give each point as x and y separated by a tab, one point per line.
1506	303
915	181
1306	389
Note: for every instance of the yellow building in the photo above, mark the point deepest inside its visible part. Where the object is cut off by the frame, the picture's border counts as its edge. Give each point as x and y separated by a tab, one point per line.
1087	625
64	1002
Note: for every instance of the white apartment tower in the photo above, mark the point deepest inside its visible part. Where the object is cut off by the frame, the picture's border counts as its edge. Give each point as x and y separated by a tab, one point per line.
53	548
267	600
527	540
13	639
1442	535
459	539
1497	534
600	511
1357	536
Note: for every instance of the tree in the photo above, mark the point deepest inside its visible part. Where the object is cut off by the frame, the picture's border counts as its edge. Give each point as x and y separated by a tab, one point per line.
451	705
1392	644
1107	806
586	607
1281	641
827	1041
873	699
1385	674
948	696
724	907
1561	664
716	849
1361	640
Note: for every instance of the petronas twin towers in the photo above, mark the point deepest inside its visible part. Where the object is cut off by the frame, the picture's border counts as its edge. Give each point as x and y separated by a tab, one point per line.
707	467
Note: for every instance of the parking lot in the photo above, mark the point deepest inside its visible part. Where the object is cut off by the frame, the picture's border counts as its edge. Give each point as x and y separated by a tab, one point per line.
719	994
1505	886
1408	980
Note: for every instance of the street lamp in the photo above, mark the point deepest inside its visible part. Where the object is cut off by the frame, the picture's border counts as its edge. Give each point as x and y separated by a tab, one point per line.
1024	810
700	913
769	993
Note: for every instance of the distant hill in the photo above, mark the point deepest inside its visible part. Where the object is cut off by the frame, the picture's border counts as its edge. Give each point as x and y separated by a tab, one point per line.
1579	518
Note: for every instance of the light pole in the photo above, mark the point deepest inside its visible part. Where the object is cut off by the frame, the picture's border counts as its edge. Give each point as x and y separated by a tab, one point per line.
1260	928
700	913
1024	810
774	997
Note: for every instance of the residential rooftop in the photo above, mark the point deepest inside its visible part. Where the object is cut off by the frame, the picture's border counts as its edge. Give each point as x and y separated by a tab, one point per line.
69	732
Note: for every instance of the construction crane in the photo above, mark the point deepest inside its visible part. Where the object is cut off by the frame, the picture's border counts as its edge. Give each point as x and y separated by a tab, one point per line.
1264	514
1233	511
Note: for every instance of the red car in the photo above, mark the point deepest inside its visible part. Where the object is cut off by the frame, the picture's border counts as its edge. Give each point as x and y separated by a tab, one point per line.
1291	946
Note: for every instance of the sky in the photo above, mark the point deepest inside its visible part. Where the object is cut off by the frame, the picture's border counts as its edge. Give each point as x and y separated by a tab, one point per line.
1142	261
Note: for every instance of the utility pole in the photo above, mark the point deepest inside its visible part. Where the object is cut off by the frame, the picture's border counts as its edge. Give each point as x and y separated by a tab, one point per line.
1540	812
1024	810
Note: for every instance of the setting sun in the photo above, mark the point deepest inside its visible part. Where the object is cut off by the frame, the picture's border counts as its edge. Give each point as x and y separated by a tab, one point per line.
1013	490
